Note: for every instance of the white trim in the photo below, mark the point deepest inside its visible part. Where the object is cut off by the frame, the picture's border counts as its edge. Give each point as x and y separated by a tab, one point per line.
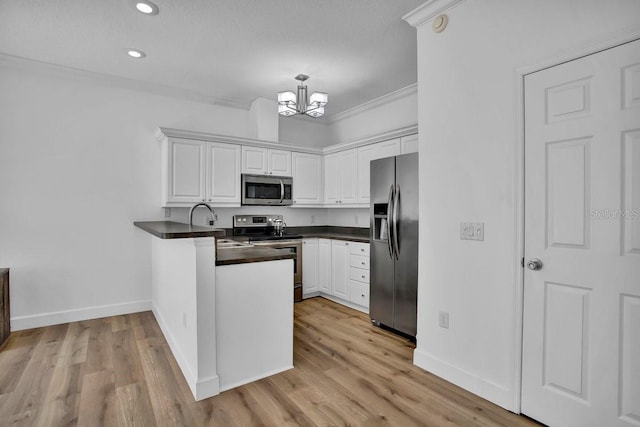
187	371
19	323
120	82
207	387
392	134
590	47
163	133
256	378
491	391
344	302
429	10
404	92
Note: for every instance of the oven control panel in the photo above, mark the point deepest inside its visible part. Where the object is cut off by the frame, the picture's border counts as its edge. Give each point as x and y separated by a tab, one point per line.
255	220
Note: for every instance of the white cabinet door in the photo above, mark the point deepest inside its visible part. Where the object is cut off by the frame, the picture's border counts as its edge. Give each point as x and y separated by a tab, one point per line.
365	155
340	268
223	173
279	162
331	178
409	144
348	181
309	266
254	160
307	179
186	167
324	265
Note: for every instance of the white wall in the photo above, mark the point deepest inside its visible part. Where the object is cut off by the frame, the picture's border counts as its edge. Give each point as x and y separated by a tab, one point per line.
305	132
468	139
78	164
393	111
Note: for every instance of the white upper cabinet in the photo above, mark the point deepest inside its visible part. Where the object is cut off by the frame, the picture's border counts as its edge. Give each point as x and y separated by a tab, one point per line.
365	155
185	182
223	172
198	171
307	179
409	144
279	162
266	161
341	178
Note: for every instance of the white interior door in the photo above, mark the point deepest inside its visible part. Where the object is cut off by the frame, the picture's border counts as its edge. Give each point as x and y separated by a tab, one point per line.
581	332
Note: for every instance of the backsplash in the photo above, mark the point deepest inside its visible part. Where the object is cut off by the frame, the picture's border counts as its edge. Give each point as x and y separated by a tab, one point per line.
294	217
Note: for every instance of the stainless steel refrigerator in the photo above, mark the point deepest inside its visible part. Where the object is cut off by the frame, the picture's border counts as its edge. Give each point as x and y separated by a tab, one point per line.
394	242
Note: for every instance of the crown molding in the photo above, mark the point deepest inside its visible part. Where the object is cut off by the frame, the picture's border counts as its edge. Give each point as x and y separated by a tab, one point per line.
429	10
62	71
163	133
392	134
404	92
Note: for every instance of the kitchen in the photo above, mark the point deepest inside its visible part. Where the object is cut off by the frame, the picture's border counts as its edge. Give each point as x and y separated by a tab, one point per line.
82	162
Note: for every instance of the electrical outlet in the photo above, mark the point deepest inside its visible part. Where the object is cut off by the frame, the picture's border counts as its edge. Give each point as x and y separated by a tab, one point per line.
355	219
472	231
167	212
443	319
184	319
313	219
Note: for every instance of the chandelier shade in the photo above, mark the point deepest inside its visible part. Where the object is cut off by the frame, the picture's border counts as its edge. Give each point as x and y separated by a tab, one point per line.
290	104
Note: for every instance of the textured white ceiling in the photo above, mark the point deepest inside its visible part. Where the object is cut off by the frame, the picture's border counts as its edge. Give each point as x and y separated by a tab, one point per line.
231	50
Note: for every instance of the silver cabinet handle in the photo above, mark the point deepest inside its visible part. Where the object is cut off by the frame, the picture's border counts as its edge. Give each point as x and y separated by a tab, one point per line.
534	264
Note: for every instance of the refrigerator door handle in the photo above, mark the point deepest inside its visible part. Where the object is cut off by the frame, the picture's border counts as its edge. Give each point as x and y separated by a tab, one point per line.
396	203
389	221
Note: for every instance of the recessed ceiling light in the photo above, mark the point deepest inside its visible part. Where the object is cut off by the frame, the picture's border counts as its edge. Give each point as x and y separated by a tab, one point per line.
147	7
136	53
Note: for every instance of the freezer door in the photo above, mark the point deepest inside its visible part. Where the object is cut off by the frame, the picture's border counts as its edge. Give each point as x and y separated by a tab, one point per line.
406	267
381	300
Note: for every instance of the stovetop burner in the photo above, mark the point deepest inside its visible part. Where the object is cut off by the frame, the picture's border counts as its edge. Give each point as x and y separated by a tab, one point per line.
260	228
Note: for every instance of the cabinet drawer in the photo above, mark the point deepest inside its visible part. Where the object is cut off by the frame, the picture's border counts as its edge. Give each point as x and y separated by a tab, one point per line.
356	248
359	275
359	261
359	293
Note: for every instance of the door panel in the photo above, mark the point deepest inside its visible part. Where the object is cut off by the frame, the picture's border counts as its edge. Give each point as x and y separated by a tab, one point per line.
582	190
406	269
381	272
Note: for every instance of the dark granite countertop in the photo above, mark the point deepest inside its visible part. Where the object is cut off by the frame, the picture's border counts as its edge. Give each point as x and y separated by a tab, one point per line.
351	234
247	254
177	230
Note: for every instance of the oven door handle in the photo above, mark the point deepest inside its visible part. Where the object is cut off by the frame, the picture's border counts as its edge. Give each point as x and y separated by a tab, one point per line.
281	191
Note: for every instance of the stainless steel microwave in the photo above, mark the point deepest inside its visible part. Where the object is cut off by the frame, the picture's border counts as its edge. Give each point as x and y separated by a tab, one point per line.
266	190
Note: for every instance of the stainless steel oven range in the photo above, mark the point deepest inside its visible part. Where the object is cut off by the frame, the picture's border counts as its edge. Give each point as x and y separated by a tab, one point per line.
270	231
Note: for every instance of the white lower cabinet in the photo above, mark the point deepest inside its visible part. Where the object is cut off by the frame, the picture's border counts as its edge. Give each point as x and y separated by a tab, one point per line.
324	265
341	269
309	266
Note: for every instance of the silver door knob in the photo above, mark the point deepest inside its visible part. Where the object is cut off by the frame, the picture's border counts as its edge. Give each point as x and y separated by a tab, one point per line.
534	264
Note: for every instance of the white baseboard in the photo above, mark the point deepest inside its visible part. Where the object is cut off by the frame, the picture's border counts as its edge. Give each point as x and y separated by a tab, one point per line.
493	392
256	378
20	323
344	302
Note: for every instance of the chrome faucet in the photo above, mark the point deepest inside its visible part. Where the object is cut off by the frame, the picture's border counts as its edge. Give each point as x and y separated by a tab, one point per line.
215	217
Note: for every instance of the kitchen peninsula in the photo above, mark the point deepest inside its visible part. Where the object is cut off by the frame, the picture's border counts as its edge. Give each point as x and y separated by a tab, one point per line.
226	323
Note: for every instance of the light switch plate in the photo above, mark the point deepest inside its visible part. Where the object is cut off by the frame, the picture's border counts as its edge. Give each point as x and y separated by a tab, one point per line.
472	231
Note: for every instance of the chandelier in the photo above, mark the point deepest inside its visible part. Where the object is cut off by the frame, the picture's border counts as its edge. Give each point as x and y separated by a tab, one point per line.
290	104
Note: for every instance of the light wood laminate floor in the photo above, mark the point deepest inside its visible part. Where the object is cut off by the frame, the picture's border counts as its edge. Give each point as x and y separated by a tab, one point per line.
120	371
